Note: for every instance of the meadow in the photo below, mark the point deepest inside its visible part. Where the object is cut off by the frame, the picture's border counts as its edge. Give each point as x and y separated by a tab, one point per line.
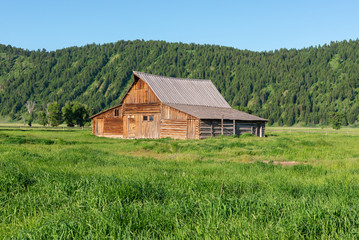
64	184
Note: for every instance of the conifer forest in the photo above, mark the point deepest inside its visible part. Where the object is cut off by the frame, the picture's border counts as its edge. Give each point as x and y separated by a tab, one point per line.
286	86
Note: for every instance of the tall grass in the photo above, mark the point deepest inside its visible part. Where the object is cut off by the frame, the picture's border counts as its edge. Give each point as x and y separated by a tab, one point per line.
70	184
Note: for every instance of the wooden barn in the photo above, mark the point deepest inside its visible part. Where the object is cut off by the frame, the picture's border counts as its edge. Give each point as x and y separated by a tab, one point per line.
160	107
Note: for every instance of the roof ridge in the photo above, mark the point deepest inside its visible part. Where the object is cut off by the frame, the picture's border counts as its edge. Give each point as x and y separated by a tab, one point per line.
195	105
194	92
174	78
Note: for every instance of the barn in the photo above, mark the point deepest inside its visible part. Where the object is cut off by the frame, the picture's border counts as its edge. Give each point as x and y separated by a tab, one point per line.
160	107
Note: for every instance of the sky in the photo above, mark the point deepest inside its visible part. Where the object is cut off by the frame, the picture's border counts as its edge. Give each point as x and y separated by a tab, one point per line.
254	25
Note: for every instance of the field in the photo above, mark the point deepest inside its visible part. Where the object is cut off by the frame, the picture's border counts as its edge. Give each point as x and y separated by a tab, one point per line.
69	184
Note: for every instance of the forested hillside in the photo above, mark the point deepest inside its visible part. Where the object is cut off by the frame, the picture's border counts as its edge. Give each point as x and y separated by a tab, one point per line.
285	86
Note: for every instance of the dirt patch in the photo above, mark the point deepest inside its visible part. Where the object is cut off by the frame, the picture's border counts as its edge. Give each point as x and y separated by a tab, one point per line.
291	163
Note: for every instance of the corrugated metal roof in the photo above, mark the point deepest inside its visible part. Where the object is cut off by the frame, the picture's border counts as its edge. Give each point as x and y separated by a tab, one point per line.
184	91
205	112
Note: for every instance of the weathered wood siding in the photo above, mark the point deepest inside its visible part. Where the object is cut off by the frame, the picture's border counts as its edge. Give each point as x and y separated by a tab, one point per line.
192	129
141	102
142	108
173	114
136	127
178	125
94	126
113	126
107	124
176	129
99	126
140	93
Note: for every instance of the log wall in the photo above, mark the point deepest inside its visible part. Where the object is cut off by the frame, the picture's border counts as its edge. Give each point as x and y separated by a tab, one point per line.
142	108
176	129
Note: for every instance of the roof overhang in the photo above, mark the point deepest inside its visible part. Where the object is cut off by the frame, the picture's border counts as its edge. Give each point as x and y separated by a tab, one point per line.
95	115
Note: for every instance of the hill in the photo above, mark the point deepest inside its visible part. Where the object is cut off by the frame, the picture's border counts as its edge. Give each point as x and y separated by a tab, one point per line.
285	86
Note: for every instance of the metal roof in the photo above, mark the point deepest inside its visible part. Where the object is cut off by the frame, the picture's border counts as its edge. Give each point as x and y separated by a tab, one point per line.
196	97
184	91
204	112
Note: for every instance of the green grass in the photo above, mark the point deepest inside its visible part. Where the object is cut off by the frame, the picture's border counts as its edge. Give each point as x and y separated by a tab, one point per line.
70	184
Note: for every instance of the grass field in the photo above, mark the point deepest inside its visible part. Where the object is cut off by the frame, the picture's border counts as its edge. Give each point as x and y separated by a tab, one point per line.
69	184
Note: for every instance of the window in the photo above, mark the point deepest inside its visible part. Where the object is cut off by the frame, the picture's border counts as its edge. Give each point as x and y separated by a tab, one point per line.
148	118
116	112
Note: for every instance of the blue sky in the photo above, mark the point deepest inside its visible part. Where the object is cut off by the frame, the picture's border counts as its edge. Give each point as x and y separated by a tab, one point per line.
254	25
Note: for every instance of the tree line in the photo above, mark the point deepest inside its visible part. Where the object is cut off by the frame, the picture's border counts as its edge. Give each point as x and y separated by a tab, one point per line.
286	86
72	113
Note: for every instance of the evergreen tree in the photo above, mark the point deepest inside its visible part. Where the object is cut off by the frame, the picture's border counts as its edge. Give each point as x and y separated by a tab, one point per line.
285	86
337	120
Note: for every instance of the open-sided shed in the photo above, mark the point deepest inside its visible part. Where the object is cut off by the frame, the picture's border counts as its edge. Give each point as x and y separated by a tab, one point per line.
159	107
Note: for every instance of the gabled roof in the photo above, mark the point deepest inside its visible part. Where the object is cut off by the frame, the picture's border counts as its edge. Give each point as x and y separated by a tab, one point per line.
204	112
196	97
196	92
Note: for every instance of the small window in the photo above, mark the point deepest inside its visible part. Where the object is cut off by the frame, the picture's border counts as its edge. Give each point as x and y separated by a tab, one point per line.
148	118
116	112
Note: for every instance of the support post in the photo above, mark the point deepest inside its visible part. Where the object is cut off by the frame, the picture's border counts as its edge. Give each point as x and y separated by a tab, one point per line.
234	127
222	125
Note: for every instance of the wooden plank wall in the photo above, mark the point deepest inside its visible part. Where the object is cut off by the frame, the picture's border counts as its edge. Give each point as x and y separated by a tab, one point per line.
140	93
192	129
178	125
141	108
141	128
112	125
173	114
94	126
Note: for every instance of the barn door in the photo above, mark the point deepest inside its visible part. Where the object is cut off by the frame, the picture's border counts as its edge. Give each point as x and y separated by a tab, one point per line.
191	129
99	127
131	127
